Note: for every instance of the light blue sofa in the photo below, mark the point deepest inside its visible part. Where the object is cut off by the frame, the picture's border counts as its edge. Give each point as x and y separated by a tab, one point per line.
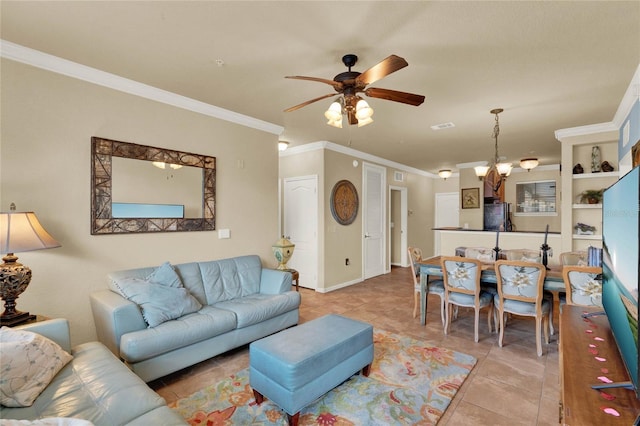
241	302
93	386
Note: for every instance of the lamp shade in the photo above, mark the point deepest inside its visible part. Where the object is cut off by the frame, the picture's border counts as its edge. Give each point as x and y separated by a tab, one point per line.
21	231
481	171
504	169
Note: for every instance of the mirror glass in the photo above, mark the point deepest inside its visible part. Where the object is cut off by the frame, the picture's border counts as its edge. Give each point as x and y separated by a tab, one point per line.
138	188
140	185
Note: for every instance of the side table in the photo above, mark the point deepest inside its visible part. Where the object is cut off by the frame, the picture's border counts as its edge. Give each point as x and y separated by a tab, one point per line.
294	277
32	319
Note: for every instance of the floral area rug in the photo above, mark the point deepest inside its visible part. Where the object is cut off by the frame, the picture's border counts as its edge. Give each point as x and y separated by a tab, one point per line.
409	383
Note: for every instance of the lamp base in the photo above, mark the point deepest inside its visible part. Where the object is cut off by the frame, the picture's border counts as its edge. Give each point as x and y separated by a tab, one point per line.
16	319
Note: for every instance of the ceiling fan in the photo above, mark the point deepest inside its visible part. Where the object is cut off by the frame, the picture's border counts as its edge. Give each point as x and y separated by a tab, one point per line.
351	83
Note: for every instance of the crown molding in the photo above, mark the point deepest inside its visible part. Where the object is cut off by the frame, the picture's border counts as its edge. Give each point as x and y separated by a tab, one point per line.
35	58
631	96
320	145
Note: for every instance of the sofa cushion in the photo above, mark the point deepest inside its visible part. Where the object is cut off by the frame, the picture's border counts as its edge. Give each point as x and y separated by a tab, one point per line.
256	308
161	300
29	363
49	421
95	386
148	343
233	278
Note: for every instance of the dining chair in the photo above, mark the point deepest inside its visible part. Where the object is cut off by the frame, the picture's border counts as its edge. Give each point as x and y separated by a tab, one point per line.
526	255
462	288
574	258
433	287
520	286
583	284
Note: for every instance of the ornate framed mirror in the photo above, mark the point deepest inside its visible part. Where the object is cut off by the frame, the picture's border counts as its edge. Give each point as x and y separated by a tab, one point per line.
138	188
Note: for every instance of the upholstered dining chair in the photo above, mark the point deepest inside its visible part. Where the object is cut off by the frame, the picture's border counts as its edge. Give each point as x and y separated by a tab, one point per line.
433	287
520	286
574	258
583	284
462	288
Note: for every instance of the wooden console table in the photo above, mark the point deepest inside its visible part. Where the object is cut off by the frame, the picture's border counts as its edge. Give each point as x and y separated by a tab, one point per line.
582	405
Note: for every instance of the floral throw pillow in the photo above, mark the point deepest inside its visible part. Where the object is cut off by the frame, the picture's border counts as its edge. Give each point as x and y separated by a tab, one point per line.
29	363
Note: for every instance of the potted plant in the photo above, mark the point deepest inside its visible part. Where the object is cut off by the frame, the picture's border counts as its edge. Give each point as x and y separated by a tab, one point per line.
591	196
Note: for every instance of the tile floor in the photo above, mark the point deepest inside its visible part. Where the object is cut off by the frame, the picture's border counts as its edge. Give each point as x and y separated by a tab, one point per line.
508	385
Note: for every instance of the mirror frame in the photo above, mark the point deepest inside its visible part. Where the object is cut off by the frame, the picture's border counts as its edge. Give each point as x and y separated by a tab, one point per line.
102	222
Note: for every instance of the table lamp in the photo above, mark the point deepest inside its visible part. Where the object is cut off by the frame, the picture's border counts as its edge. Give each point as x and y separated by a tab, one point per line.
19	231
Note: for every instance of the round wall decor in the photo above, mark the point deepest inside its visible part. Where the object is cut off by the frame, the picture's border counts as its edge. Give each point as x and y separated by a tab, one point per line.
344	202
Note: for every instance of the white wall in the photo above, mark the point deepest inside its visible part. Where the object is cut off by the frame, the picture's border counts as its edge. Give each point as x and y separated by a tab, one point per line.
47	122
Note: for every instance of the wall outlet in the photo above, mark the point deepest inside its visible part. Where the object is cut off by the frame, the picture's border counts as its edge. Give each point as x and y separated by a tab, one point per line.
347	262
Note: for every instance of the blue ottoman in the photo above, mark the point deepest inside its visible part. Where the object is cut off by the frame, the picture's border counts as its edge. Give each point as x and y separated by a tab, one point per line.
296	366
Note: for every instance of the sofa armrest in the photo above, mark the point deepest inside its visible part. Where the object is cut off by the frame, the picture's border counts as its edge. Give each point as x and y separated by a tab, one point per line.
54	329
273	281
114	316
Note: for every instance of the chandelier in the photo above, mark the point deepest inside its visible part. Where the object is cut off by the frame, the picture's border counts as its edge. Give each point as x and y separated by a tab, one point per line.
503	169
354	107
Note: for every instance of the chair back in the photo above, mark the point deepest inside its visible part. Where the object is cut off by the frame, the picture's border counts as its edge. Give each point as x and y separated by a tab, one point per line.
574	258
461	274
483	254
583	284
525	255
415	256
518	280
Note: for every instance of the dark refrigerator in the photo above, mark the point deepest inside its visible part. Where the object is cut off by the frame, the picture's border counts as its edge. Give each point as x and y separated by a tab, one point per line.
496	216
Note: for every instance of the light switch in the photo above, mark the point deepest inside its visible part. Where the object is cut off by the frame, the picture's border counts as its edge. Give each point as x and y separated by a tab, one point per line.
224	233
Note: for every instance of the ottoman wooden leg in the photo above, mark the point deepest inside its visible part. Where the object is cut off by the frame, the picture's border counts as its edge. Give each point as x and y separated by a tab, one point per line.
365	371
293	420
258	396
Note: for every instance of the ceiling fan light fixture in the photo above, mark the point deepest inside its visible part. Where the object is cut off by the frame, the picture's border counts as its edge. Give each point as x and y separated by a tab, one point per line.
365	121
334	113
336	123
363	110
529	163
444	173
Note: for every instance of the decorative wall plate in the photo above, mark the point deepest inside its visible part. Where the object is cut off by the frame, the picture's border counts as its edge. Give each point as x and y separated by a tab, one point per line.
344	202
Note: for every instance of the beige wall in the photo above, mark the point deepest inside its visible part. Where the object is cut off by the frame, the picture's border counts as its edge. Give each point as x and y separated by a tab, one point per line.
338	242
47	123
474	217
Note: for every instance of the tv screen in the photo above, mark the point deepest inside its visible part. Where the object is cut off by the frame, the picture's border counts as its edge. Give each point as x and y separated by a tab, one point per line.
620	223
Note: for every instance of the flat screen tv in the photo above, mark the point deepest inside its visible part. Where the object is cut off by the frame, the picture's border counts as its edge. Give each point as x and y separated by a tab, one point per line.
621	264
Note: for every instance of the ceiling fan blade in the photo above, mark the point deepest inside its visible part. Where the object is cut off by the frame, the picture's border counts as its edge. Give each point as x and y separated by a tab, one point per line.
293	108
394	95
336	84
391	64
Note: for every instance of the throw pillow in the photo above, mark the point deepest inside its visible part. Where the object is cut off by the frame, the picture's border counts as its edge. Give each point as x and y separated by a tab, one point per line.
165	275
29	363
161	296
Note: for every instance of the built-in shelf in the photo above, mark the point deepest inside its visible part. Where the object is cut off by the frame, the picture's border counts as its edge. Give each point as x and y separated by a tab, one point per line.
587	237
615	173
587	206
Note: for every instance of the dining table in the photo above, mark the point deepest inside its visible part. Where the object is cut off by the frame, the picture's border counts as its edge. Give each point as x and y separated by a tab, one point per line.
431	267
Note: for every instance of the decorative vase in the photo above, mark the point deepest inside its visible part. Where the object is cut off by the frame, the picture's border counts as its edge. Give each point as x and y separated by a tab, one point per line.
595	159
283	250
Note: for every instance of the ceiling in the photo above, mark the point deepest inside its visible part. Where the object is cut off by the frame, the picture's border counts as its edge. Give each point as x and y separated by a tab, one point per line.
549	65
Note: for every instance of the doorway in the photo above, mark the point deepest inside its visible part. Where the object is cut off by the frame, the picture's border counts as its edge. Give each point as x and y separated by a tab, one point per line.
373	220
398	212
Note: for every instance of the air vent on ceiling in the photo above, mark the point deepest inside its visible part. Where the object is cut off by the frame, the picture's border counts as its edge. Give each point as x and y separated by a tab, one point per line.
398	176
443	126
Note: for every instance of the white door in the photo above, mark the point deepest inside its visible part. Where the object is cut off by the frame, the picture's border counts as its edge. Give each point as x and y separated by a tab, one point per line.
373	222
447	208
301	226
